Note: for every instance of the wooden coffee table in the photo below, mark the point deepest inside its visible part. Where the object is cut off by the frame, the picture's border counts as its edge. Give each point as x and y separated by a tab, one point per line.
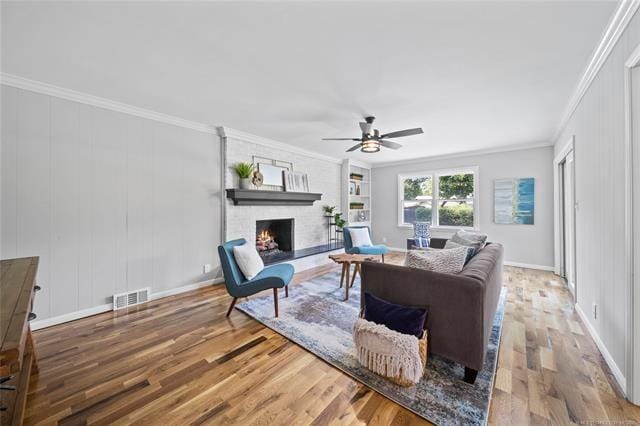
346	260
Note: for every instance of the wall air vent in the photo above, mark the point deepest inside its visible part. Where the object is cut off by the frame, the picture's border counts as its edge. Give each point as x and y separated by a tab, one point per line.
124	300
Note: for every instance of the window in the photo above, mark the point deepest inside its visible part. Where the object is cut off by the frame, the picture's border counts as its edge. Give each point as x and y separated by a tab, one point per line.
446	198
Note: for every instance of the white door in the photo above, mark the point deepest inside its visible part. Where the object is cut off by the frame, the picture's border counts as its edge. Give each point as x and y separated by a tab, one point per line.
569	238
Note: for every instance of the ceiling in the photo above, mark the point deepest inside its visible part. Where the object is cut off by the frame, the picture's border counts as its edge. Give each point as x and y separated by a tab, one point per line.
474	75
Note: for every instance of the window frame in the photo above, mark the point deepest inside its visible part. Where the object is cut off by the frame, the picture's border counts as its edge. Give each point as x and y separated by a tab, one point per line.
435	193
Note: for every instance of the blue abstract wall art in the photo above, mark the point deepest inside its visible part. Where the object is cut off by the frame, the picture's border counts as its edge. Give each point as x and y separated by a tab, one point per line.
514	201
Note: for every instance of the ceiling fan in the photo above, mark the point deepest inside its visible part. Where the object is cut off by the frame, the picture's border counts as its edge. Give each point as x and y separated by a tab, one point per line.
372	140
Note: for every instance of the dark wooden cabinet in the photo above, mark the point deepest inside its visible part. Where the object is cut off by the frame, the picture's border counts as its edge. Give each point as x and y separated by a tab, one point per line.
17	355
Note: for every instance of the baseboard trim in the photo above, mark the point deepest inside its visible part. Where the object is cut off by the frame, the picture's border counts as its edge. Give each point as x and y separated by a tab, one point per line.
71	316
83	313
615	370
529	266
185	288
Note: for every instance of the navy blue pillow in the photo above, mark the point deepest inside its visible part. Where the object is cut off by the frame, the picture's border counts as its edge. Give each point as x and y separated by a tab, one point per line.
399	318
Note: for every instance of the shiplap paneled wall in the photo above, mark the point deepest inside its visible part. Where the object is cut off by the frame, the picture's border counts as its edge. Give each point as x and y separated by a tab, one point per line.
598	125
109	201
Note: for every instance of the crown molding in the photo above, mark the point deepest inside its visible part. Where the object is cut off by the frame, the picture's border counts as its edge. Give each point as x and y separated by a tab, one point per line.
85	98
618	23
477	152
229	133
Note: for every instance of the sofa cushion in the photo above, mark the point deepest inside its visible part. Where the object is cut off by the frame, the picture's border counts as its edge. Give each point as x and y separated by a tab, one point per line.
403	319
471	239
449	261
248	260
471	251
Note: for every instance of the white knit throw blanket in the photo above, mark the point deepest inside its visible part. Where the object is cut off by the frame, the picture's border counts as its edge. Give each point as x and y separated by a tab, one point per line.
387	352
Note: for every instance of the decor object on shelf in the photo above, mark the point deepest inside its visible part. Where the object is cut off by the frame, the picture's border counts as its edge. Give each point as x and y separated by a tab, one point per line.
275	277
244	170
355	176
328	210
272	172
296	182
350	248
357	189
371	139
356	205
514	201
352	188
400	358
272	175
258	179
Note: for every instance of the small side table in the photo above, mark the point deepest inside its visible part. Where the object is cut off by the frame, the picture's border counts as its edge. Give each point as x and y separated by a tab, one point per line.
346	260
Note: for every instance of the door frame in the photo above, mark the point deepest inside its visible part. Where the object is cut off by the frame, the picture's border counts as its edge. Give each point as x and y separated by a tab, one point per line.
632	334
558	213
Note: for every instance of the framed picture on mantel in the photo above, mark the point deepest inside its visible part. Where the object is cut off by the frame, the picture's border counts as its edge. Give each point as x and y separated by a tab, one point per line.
296	182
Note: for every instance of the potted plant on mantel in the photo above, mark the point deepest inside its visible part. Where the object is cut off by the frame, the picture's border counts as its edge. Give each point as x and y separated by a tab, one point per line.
244	170
328	210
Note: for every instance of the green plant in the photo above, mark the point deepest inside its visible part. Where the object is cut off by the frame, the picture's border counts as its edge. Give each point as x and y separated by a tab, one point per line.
455	186
457	215
339	221
423	214
329	210
243	170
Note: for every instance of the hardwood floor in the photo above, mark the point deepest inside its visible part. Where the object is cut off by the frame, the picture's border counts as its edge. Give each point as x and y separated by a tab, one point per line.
179	360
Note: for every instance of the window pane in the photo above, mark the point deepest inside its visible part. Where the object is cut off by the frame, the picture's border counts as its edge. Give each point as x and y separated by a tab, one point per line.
418	187
455	186
416	211
455	213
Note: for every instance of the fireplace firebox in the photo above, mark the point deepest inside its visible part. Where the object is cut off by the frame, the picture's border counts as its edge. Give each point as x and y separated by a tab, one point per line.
274	239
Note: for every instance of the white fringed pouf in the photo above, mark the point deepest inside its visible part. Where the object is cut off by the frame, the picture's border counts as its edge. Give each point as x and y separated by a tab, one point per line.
401	358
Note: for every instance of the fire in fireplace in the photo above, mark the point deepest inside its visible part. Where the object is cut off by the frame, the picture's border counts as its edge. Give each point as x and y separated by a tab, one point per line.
274	238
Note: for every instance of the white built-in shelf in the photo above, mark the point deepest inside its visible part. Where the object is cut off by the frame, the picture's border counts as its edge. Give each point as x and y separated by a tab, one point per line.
359	217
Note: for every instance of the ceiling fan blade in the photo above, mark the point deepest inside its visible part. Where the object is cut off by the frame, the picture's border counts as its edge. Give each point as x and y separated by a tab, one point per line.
390	144
366	127
401	133
340	139
353	148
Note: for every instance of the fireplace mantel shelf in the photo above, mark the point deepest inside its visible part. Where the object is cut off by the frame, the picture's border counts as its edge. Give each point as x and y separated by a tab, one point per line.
252	197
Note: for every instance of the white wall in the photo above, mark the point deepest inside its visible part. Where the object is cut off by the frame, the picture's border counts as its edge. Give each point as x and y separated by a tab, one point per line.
310	222
109	201
598	125
528	244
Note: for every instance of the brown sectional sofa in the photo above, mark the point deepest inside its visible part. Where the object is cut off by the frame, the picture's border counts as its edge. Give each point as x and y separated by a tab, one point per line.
461	306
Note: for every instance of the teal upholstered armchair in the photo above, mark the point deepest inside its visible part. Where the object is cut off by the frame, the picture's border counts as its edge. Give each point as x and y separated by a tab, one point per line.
379	249
275	277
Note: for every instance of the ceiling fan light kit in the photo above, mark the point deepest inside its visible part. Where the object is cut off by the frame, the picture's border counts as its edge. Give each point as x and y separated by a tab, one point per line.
371	142
370	146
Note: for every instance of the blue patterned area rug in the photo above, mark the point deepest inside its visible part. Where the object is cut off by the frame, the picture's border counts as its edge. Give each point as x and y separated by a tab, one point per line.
316	317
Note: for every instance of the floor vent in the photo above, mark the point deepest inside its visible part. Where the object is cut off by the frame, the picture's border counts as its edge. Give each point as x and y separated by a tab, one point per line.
124	300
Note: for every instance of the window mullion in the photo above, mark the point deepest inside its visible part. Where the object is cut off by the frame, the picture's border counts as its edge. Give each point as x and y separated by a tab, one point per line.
435	220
